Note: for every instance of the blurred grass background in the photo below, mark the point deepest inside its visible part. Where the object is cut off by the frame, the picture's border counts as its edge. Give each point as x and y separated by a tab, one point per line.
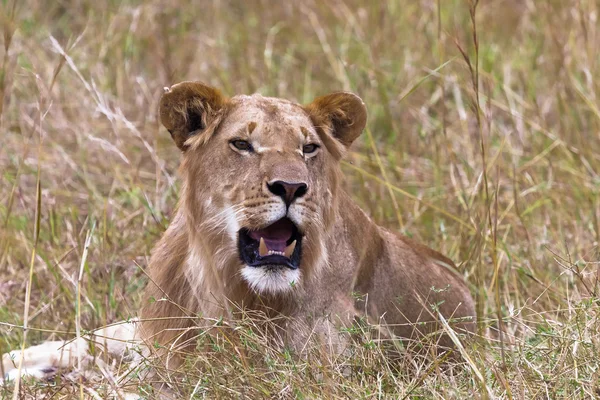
485	147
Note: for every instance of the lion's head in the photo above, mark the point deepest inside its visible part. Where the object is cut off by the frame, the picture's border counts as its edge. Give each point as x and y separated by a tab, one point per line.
260	181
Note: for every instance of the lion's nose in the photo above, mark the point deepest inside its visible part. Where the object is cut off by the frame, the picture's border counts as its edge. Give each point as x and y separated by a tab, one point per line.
288	191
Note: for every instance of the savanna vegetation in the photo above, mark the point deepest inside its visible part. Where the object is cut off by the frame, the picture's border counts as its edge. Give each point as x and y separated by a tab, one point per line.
483	142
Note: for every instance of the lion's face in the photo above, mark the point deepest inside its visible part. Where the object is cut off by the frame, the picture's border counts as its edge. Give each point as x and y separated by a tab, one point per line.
261	177
262	180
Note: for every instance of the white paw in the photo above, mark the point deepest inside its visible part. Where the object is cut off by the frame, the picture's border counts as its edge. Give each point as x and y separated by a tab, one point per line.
45	360
42	361
38	373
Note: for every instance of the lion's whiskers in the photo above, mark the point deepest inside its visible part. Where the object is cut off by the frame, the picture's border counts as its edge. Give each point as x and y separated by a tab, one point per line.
219	220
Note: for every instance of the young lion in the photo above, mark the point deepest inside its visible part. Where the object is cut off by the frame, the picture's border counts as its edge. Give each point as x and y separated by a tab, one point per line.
263	224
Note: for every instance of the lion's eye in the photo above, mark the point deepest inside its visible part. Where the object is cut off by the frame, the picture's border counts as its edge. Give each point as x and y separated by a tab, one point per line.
309	148
241	145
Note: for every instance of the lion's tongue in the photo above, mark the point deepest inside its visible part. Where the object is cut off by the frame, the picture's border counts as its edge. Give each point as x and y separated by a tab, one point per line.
275	235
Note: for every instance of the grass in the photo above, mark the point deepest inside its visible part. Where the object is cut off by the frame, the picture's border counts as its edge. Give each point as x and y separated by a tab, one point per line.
482	142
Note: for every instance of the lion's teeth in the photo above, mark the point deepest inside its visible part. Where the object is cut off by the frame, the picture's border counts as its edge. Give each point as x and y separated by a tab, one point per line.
289	250
262	248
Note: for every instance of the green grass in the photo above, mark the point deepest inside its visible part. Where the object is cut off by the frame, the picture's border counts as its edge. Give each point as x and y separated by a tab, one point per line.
497	166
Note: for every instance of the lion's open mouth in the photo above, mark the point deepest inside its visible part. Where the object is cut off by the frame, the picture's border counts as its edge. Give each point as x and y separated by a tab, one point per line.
277	244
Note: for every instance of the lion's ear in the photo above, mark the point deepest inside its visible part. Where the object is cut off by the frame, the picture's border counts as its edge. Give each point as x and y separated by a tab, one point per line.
188	108
343	113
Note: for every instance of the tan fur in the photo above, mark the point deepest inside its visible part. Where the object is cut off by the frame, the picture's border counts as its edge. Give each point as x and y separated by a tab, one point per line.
351	267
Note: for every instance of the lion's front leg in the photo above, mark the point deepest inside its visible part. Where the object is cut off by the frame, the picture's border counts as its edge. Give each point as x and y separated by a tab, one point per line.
43	361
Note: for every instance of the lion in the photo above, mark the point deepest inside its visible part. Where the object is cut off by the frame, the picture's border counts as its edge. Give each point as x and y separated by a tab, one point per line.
264	224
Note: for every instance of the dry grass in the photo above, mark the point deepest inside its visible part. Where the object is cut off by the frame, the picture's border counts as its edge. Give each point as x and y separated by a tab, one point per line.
486	149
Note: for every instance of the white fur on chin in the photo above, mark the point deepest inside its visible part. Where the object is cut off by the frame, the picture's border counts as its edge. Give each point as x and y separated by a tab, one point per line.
272	281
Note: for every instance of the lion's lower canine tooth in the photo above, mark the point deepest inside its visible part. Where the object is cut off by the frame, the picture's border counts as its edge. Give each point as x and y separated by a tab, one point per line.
290	249
262	248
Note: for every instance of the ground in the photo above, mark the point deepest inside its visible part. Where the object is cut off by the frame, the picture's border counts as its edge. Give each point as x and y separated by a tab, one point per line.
482	142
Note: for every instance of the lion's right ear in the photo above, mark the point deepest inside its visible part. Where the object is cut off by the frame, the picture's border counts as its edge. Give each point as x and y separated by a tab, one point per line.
188	108
341	115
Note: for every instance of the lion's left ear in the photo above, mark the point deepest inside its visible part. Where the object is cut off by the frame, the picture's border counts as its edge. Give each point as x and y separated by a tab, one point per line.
343	113
189	108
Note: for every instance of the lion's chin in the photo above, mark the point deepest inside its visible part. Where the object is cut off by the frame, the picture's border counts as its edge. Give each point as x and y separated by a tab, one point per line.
271	279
